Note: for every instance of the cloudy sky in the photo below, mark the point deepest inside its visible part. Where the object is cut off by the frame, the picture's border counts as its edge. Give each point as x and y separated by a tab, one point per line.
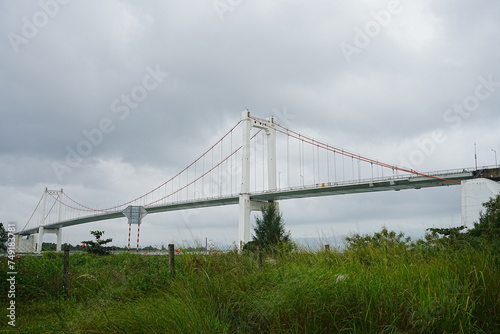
409	83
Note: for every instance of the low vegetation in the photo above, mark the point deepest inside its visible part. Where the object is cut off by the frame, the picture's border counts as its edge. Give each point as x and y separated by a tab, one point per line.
382	283
270	235
97	246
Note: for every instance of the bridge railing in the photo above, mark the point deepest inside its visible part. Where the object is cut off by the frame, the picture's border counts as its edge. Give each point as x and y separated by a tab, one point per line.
377	179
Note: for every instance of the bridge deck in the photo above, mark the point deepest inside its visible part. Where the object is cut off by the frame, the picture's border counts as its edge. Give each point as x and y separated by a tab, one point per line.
323	189
394	184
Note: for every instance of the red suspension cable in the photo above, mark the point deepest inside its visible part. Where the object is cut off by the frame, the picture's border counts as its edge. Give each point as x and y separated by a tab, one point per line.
114	208
359	157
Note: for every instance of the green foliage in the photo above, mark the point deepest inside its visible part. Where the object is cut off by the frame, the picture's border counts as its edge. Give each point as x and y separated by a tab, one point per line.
250	247
485	232
3	238
384	238
488	226
270	234
381	283
97	247
369	248
448	291
448	233
447	237
50	246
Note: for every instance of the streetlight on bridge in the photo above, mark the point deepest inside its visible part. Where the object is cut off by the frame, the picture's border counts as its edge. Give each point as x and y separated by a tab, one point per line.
496	162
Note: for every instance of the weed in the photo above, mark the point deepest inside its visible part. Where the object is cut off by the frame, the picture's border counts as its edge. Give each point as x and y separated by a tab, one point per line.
385	285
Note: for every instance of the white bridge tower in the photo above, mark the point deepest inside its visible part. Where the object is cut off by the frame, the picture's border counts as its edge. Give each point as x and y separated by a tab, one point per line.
57	195
247	205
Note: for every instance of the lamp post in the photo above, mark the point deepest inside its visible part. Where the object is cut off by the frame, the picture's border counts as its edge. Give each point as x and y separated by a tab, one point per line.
496	162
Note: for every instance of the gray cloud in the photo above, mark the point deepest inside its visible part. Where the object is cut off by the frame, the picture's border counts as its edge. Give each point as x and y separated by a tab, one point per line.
265	56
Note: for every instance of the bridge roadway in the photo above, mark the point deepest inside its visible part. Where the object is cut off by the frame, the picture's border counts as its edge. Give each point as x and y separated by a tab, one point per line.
394	183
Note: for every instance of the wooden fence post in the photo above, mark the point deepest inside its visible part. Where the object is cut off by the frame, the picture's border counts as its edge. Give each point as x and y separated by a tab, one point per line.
259	257
327	248
66	270
171	254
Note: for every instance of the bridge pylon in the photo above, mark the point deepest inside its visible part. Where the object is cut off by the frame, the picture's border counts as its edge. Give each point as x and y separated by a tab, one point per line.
41	230
245	203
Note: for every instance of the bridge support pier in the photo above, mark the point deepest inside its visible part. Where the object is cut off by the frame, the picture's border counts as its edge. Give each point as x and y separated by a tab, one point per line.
39	241
58	232
474	193
41	232
244	220
246	208
134	215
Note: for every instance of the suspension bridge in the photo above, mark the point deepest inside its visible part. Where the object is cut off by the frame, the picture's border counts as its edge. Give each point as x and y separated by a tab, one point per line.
257	161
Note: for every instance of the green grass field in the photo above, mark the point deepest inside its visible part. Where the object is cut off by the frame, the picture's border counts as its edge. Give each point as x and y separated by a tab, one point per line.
390	287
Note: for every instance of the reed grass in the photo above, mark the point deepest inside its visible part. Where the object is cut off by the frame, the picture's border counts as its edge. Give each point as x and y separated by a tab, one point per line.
383	288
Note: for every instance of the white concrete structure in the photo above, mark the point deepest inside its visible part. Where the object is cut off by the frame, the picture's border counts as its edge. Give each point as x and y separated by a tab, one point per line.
246	204
474	193
25	244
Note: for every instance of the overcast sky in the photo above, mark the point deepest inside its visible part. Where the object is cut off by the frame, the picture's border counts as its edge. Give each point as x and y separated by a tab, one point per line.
410	83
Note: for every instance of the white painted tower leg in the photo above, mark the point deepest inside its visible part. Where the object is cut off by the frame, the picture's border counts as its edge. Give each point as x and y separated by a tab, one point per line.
40	239
59	239
245	208
244	220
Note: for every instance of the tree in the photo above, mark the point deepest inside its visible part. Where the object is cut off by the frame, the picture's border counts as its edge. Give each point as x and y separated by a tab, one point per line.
269	231
446	236
3	238
369	249
488	227
97	247
382	239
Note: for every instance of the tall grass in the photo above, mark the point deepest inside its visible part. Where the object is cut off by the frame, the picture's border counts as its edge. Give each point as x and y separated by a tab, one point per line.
390	288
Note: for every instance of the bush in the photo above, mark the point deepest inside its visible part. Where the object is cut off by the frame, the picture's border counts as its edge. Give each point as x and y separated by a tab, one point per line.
97	247
270	234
